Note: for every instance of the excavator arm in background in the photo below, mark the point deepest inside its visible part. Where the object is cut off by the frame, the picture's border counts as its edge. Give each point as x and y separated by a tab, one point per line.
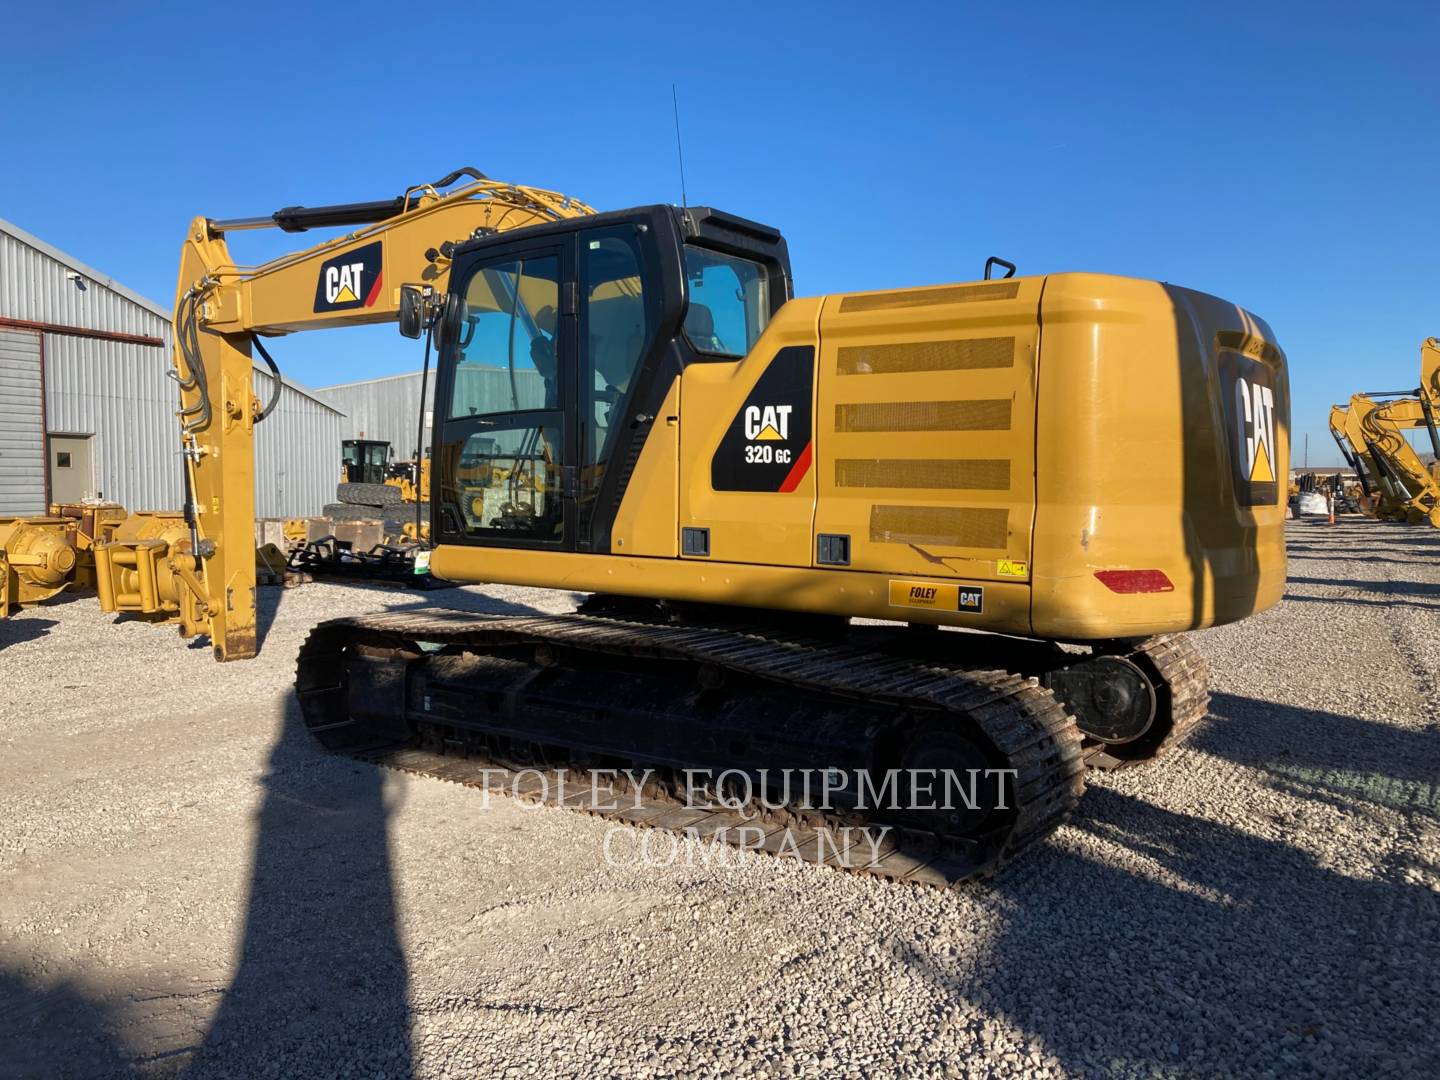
1353	450
1429	395
201	568
1382	426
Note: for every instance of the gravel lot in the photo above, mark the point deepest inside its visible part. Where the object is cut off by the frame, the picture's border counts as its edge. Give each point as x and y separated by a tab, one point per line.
186	887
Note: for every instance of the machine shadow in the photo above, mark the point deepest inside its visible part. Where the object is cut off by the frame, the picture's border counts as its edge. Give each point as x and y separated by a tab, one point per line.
1387	587
1360	602
55	1031
1342	760
321	957
14	631
1123	953
320	961
480	603
268	599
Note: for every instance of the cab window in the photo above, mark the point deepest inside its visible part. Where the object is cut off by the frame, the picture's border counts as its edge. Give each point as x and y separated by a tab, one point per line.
505	359
616	331
729	302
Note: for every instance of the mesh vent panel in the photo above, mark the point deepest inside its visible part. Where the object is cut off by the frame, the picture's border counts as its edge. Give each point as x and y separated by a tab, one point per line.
966	355
978	474
942	526
988	415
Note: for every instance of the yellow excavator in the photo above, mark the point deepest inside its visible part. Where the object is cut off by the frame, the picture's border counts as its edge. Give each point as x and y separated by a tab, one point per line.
1371	436
1378	498
951	530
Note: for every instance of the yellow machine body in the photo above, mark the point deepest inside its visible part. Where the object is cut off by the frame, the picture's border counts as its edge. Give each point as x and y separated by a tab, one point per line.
1075	456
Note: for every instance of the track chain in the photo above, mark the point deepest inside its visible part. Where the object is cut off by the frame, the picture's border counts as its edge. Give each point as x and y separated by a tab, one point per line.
1020	718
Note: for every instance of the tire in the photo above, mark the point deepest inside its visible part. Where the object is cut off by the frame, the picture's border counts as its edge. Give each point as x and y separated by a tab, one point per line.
369	494
352	512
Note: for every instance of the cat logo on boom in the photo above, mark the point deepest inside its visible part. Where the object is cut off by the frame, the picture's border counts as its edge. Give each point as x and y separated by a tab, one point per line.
351	280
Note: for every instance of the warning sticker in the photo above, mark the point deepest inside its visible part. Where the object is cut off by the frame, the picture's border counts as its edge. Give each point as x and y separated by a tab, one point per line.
1012	568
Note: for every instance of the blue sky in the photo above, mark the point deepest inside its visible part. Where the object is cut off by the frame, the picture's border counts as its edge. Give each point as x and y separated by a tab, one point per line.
1287	163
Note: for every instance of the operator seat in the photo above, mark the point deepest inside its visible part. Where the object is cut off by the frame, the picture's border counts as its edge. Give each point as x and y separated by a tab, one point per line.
700	329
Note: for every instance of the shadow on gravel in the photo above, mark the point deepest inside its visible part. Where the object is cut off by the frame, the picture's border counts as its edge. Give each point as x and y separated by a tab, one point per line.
321	982
1397	588
477	603
14	631
1360	601
1115	972
1324	755
54	1031
1384	560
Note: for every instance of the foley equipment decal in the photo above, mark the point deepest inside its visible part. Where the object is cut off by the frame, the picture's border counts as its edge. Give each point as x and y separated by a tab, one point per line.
767	446
937	597
351	280
1250	412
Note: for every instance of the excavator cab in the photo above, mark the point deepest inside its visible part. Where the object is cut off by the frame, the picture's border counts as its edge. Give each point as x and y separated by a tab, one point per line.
558	348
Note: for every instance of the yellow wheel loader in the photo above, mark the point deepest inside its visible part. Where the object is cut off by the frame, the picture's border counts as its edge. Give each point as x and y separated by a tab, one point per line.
948	531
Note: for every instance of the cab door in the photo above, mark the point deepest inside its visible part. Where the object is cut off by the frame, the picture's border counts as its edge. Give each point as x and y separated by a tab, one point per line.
505	452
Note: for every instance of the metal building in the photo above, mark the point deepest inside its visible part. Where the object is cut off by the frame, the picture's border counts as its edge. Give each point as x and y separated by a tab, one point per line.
87	410
387	408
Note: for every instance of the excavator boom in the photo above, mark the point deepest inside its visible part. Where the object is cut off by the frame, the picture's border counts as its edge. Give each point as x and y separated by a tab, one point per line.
203	569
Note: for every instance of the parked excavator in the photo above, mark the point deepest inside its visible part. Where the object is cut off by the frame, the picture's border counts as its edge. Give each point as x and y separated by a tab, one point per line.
1397	483
1382	497
742	483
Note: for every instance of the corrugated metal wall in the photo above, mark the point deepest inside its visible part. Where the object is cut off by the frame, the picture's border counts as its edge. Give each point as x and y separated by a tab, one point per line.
297	454
386	408
119	393
35	287
22	442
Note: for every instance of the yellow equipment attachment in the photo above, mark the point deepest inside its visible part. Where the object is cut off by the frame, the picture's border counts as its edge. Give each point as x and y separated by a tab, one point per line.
149	567
37	559
95	523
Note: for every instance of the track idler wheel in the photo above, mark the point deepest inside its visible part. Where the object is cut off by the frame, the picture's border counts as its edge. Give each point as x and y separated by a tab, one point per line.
1109	696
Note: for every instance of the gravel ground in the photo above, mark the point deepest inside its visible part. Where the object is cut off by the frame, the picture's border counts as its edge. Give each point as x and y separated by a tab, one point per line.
186	887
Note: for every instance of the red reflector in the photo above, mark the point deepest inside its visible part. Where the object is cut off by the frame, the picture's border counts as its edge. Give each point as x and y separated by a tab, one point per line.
1135	581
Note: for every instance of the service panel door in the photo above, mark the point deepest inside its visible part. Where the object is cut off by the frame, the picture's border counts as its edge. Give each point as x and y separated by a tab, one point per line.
925	431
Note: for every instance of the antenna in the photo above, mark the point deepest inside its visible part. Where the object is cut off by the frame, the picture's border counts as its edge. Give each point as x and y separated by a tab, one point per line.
679	152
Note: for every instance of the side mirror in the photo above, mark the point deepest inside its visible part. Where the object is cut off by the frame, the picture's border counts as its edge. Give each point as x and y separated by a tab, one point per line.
412	311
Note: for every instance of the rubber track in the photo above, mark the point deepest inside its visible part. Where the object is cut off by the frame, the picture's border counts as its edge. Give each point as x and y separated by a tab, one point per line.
1019	717
1184	676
